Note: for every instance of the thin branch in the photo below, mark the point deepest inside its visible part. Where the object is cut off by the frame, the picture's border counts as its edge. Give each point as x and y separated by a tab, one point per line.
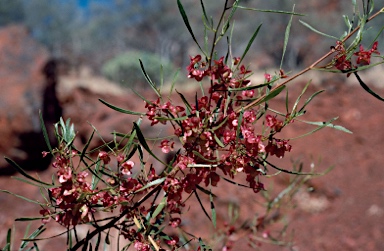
253	103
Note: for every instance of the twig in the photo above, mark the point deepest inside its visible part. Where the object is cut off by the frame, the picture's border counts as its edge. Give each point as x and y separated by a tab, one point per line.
253	103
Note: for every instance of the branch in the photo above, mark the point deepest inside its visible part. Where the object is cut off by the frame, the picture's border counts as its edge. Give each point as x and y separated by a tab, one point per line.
253	103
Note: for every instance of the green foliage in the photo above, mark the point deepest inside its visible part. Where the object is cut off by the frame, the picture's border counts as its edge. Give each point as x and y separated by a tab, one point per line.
125	69
11	11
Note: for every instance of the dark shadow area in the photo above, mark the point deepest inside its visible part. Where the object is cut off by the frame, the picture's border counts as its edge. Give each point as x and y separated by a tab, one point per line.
32	143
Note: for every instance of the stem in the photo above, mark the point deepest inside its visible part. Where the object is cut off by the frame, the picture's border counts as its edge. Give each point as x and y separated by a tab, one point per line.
213	47
253	103
114	220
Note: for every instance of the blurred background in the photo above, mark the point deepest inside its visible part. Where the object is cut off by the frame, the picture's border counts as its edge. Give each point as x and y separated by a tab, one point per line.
61	56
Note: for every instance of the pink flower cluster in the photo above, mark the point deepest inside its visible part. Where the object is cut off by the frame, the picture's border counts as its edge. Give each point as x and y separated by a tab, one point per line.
213	135
343	63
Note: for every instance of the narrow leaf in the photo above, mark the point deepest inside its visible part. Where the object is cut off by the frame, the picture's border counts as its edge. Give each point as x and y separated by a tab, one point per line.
365	87
152	183
239	122
187	105
150	82
318	32
31	237
249	44
21	171
27	181
173	82
30	218
142	141
321	125
22	197
86	146
252	87
207	192
337	127
271	95
203	158
204	12
172	119
9	240
201	205
286	38
272	11
95	177
45	133
310	99
160	207
97	241
213	210
290	172
107	240
226	24
186	22
218	141
299	98
120	109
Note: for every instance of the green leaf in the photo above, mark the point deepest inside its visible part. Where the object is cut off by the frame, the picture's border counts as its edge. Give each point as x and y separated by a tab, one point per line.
290	172
22	197
239	122
201	205
173	119
22	172
272	11
160	207
95	177
286	38
309	100
68	133
32	236
120	109
187	105
299	97
204	12
186	22
207	192
150	82
173	82
86	147
97	241
31	183
252	87
203	246
337	127
203	158
142	141
365	87
226	24
249	44
161	78
107	240
218	141
213	210
45	133
35	246
270	95
318	32
9	241
152	183
30	218
320	126
132	137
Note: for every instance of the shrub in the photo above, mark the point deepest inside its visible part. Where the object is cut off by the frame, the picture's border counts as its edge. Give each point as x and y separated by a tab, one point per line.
125	69
229	132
